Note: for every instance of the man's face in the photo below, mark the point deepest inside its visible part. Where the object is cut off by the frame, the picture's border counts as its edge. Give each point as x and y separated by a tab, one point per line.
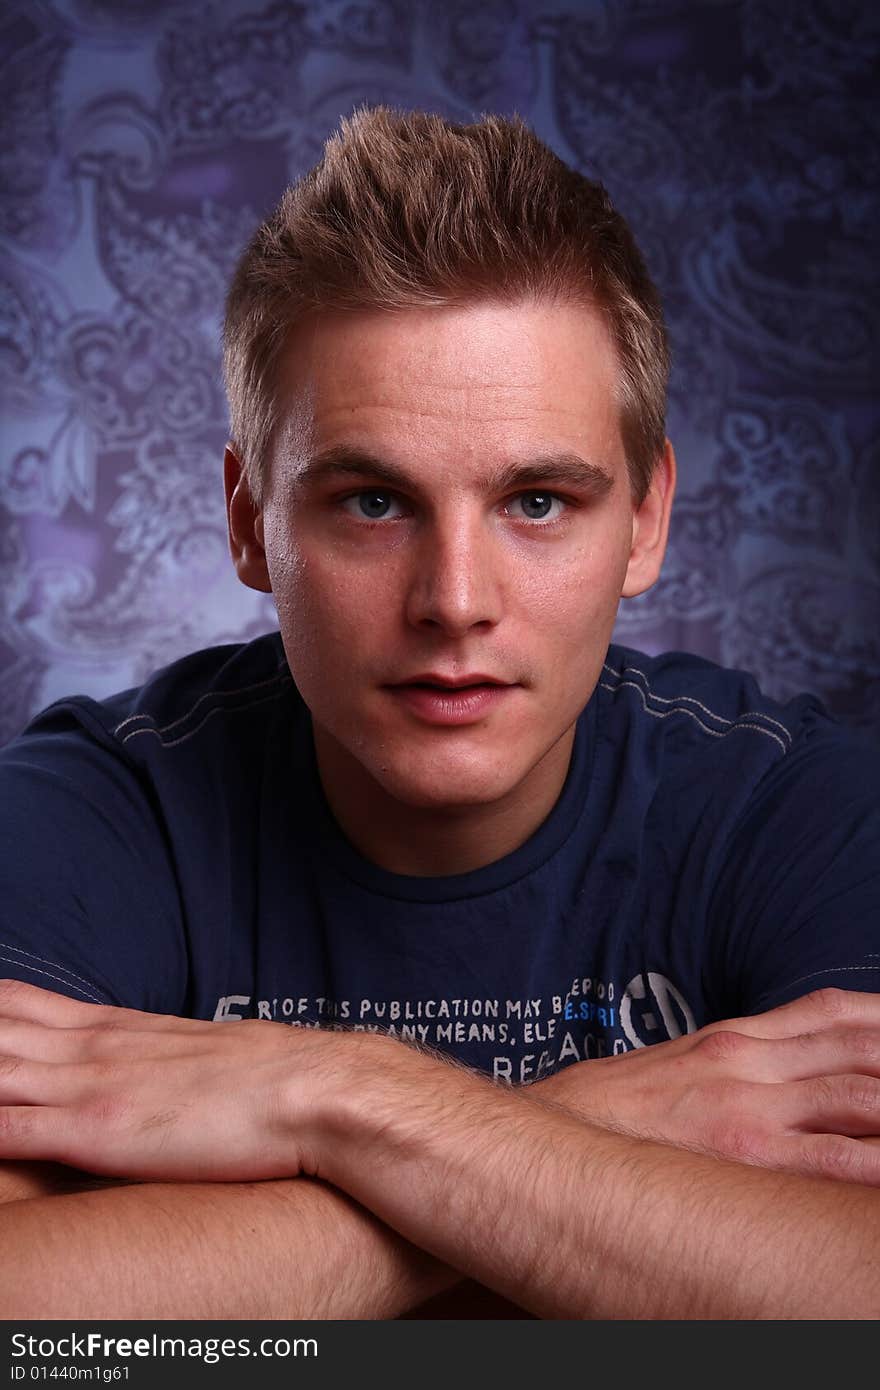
448	527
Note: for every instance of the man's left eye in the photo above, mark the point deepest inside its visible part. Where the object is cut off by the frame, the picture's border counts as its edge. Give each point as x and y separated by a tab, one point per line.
539	506
372	504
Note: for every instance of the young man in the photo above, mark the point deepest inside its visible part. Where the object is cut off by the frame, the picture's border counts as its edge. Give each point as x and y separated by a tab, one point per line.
439	808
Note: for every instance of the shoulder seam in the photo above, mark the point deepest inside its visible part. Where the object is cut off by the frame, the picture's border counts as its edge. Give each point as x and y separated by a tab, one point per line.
830	970
35	970
279	682
679	705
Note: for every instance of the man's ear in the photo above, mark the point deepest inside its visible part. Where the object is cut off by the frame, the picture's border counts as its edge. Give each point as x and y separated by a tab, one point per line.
245	523
651	528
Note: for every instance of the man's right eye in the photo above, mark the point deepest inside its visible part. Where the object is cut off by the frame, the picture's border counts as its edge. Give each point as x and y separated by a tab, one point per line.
372	505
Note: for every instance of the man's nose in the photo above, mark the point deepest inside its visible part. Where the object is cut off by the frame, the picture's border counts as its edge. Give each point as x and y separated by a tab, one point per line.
454	585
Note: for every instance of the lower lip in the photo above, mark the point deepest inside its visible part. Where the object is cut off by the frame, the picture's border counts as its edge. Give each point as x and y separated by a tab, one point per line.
465	706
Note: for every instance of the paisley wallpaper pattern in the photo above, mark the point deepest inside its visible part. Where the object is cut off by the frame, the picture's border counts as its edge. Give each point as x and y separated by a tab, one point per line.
142	140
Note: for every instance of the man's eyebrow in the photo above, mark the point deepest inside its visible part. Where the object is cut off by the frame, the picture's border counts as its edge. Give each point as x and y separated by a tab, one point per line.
344	461
562	469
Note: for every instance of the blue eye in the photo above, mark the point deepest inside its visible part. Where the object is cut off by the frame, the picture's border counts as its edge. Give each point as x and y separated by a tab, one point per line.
374	504
538	506
371	504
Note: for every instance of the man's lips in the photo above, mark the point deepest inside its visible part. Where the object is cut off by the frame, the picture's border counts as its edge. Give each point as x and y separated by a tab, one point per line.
450	682
445	700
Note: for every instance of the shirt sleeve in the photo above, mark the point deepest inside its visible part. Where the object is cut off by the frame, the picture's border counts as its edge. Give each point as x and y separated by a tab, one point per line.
88	903
798	899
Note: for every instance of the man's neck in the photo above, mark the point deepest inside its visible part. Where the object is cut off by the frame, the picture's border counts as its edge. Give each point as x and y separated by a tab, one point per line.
431	841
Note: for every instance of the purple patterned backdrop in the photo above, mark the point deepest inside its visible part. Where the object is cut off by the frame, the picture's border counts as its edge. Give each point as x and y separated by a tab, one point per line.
142	141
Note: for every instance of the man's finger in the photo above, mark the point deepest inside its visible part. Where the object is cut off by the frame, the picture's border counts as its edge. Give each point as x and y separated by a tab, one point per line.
824	1008
846	1105
100	1042
835	1156
18	1000
28	1003
33	1132
835	1052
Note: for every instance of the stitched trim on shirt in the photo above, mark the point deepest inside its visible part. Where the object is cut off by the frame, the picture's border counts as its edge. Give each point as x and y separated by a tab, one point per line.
679	708
173	742
690	700
283	675
8	946
280	680
831	970
49	976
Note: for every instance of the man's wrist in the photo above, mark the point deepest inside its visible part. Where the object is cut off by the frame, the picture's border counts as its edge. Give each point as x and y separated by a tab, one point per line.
359	1083
376	1095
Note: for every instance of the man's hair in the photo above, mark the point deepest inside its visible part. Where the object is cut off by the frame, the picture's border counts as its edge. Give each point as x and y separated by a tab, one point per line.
406	209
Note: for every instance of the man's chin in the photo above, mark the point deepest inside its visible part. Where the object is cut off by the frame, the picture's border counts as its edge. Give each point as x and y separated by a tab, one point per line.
451	792
412	771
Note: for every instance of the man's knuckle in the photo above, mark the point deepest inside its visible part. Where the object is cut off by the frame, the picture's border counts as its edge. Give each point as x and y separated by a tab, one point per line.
106	1019
835	1156
16	1123
861	1094
106	1028
723	1045
831	1003
864	1045
824	1092
853	1094
14	990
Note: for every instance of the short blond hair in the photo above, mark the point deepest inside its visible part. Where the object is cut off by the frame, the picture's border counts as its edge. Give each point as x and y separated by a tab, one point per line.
408	209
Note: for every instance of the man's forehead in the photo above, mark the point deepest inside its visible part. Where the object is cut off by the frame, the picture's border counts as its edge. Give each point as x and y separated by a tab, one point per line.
513	371
485	345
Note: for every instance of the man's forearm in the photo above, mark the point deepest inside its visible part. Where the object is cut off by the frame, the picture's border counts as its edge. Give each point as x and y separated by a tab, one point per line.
283	1249
565	1218
572	1221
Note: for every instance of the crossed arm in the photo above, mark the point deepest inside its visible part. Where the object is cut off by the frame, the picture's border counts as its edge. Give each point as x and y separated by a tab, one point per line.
298	1173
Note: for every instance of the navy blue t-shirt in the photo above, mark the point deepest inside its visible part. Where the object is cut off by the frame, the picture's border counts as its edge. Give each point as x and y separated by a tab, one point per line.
712	853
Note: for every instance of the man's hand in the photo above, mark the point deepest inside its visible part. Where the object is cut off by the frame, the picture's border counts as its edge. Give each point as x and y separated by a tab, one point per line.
560	1215
797	1088
151	1096
154	1097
